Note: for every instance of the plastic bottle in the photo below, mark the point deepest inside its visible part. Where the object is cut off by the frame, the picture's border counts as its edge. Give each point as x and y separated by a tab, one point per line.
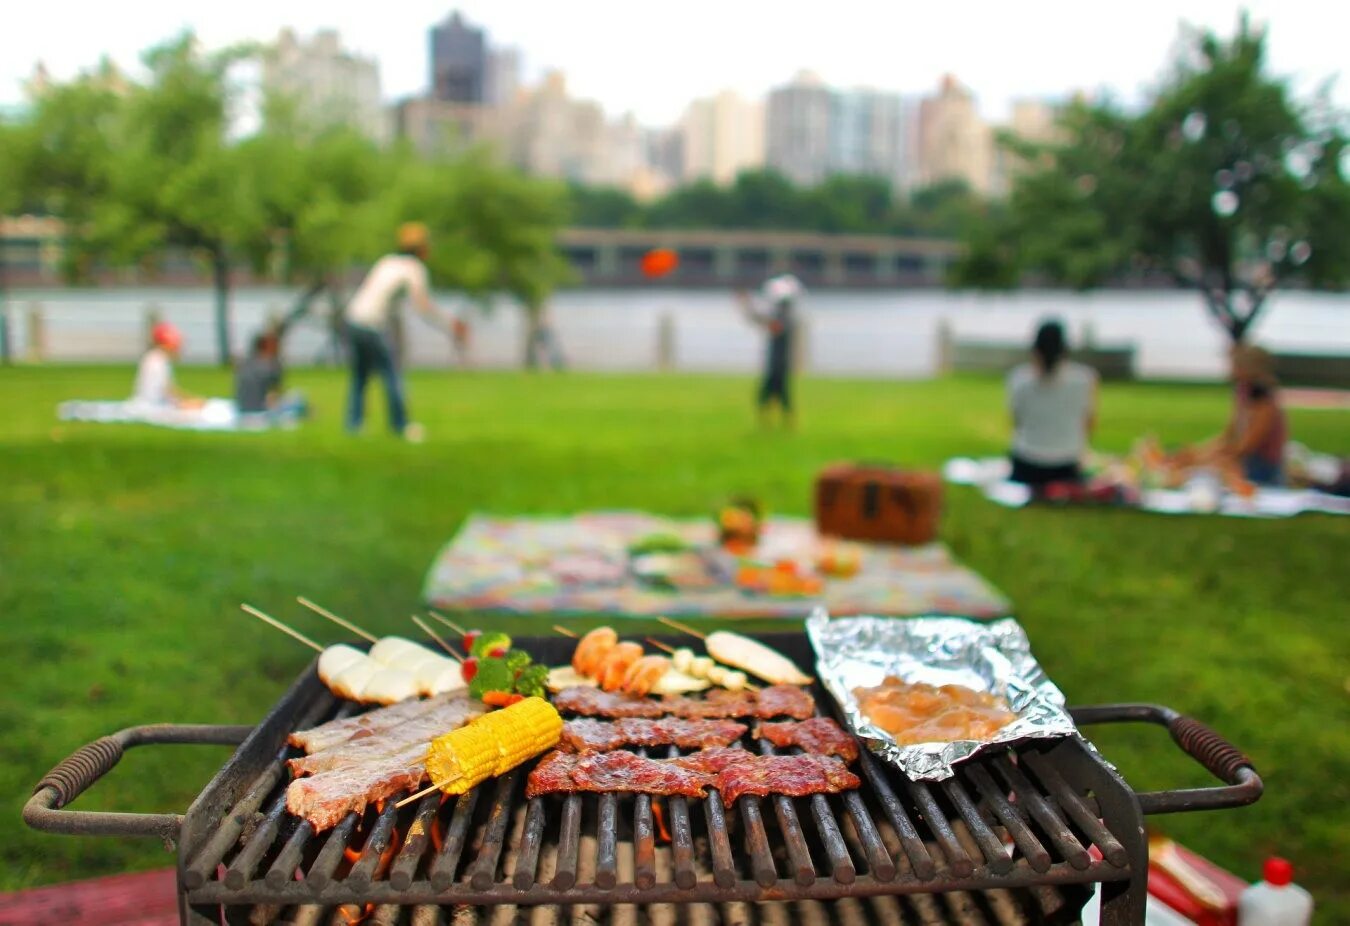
1275	900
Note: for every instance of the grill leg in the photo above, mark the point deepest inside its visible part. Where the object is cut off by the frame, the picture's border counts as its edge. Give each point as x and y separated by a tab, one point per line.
1123	901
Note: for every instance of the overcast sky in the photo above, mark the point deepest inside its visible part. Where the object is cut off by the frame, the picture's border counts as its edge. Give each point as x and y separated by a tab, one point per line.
652	58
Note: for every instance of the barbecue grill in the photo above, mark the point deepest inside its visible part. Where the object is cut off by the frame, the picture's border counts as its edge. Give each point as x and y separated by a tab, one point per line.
1020	835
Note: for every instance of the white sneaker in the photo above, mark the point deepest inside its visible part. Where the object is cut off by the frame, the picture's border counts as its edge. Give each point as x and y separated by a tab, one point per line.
414	433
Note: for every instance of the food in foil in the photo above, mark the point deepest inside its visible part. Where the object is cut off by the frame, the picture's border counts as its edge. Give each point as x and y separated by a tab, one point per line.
857	655
915	712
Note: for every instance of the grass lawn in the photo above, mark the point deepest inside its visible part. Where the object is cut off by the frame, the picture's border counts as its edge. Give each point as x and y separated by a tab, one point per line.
124	552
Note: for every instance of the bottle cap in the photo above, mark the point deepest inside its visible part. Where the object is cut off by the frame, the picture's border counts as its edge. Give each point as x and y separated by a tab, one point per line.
1277	871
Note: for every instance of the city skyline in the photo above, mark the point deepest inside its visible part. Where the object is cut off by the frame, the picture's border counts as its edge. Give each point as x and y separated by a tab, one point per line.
1056	48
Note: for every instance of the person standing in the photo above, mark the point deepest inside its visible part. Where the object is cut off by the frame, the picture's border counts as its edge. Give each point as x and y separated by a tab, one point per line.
1054	409
776	312
390	279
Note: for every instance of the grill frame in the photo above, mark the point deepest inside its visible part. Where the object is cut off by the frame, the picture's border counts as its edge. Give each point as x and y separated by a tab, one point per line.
245	789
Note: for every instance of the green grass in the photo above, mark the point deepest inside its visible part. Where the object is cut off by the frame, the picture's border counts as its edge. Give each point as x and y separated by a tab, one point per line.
124	552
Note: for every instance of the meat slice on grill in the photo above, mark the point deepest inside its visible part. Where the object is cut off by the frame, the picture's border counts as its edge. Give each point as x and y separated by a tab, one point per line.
819	736
737	772
613	771
603	736
592	702
324	799
774	701
423	728
327	735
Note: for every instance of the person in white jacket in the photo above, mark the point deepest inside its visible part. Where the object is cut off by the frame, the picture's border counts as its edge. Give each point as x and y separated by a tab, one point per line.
389	280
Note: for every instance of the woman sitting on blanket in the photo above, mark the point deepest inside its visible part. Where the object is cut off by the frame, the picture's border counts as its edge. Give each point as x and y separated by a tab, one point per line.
1054	407
1251	447
155	387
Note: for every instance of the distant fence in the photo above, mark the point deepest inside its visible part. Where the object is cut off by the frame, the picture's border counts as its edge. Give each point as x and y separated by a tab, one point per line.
972	356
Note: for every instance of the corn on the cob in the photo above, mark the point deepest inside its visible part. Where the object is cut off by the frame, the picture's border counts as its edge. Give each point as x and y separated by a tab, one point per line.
492	745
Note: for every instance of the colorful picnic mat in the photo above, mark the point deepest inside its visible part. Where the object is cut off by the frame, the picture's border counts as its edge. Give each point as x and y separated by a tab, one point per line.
581	565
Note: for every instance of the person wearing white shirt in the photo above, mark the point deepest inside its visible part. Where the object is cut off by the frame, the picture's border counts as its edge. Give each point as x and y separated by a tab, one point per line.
393	277
154	387
1054	405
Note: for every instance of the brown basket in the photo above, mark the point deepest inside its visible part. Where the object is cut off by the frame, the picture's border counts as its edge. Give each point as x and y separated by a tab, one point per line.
859	501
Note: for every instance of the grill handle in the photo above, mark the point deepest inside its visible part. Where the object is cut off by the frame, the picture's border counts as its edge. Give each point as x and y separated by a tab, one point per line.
76	773
1223	760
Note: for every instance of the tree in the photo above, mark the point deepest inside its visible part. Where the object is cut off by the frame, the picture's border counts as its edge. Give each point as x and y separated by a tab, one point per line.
177	181
1223	183
493	228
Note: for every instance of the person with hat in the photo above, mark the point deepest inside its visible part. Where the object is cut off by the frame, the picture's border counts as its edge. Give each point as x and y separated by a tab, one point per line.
155	387
776	312
390	279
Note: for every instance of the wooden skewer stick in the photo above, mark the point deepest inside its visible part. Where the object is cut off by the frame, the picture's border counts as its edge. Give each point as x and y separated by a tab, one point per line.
412	797
341	622
564	631
454	654
683	628
447	622
659	645
267	619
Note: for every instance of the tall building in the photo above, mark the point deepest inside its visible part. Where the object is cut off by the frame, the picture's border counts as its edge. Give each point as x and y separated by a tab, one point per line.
1032	121
459	61
954	142
547	132
797	130
437	128
723	135
326	84
502	77
871	133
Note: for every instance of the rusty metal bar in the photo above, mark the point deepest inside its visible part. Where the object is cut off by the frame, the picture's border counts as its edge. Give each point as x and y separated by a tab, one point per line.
527	856
1077	808
416	842
607	842
1025	840
442	872
995	853
644	842
682	841
203	866
483	871
924	867
878	859
1041	811
287	861
381	834
799	854
719	843
841	863
320	874
241	868
957	859
756	840
569	836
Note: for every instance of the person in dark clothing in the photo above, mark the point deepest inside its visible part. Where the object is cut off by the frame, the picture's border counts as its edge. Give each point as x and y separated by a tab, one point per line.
257	382
777	315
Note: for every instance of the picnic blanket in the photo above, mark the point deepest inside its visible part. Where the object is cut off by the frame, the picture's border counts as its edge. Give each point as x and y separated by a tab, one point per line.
213	415
581	565
1202	495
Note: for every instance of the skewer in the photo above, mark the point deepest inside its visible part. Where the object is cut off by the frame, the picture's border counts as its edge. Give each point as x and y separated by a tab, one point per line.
454	654
659	645
412	797
564	631
683	628
447	622
268	619
341	622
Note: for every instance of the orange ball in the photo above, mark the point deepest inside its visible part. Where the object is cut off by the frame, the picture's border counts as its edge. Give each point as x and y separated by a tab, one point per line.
659	262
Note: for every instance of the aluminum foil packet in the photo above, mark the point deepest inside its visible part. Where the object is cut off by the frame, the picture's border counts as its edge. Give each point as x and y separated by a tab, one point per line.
992	656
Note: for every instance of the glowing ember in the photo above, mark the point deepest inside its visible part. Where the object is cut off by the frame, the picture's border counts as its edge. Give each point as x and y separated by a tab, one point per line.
661	832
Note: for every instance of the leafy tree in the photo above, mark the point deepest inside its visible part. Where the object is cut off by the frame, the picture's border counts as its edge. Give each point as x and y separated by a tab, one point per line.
1224	183
603	207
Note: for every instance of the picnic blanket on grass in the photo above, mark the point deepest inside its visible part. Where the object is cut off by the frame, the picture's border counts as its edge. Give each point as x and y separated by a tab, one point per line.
581	565
213	415
990	476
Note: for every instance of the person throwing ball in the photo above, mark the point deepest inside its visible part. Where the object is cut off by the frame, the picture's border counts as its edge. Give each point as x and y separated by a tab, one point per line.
367	317
775	310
